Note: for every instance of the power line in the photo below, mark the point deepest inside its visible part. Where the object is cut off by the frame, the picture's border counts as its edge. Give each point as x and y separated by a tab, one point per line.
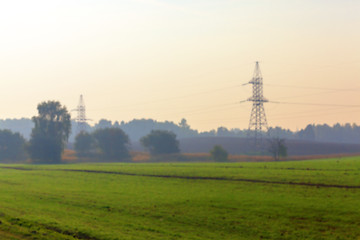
226	106
306	95
312	115
312	88
167	99
316	104
203	110
302	112
311	104
317	67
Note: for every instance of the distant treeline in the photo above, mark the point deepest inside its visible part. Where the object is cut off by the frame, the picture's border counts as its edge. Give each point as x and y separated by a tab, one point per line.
137	128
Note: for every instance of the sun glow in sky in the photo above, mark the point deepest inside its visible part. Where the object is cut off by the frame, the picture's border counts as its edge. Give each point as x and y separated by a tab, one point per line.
175	59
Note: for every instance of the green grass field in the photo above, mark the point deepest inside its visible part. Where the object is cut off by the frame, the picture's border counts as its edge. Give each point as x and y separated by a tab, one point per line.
317	199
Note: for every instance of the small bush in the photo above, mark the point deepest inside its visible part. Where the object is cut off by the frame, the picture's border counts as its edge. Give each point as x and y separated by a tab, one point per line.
219	154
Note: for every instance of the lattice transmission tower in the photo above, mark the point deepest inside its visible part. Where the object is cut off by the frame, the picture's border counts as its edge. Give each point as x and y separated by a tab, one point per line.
258	122
81	119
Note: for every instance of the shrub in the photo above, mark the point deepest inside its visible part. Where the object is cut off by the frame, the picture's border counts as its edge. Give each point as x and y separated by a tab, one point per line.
219	154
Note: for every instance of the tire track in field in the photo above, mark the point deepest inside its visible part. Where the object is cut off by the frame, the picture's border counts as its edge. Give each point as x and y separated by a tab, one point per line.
292	168
215	178
18	168
29	229
318	185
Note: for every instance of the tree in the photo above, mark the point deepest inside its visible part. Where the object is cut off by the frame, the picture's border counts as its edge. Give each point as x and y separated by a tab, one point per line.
223	132
160	142
103	123
308	133
12	146
113	143
50	133
84	144
277	148
183	124
219	154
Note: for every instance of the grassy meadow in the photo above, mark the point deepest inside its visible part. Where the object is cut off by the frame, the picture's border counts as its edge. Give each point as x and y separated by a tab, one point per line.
313	199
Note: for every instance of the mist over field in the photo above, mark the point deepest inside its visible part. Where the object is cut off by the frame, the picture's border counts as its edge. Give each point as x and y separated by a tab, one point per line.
137	128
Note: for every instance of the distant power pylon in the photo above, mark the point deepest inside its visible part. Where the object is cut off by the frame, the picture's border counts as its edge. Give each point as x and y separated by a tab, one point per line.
81	119
258	121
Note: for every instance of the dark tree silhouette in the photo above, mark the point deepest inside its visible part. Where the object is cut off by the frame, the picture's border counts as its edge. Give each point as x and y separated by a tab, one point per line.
103	123
160	142
50	133
84	144
113	143
223	132
183	124
12	146
308	133
219	154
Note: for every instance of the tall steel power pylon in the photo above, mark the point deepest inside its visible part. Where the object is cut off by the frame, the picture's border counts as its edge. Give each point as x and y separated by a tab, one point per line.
81	116
258	121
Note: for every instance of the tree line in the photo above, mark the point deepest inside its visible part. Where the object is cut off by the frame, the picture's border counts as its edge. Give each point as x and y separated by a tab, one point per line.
52	127
51	131
137	128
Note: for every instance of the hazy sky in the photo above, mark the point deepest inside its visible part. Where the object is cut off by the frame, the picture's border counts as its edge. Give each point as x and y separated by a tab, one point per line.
176	59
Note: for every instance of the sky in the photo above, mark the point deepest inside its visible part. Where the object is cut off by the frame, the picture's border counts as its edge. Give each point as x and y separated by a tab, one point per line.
173	59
